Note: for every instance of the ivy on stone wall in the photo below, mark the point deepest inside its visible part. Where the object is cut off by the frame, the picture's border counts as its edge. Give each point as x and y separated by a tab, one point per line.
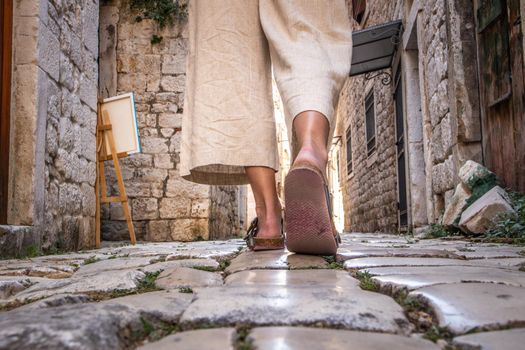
164	12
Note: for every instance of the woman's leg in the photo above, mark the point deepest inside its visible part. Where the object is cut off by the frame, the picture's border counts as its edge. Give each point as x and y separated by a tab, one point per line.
311	131
267	205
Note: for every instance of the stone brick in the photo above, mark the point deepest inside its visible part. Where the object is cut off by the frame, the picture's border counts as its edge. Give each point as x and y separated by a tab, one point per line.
170	120
176	186
173	83
49	53
154	145
158	231
172	208
88	200
145	209
444	176
200	208
484	212
163	161
174	64
189	229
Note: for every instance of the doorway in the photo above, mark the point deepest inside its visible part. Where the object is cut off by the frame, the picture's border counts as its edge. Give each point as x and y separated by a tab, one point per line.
501	71
402	202
6	16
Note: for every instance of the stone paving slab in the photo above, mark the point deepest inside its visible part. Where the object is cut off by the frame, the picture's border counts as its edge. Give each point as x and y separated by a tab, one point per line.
102	282
271	259
274	260
179	250
57	300
293	278
205	339
352	253
82	326
462	307
512	339
275	305
187	277
299	338
112	264
33	269
166	306
298	261
416	277
493	252
165	265
363	263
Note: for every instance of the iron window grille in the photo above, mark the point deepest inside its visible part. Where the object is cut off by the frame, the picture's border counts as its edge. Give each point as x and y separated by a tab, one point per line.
370	121
349	163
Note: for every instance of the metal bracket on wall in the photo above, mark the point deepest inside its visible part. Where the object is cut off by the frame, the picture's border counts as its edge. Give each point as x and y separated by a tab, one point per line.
386	77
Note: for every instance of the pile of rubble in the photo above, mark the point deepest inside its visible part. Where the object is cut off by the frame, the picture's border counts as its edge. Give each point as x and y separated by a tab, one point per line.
478	201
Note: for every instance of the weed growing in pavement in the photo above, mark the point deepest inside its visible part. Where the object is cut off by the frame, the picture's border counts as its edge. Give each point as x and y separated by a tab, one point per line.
439	231
91	260
242	341
223	264
434	333
333	264
205	268
367	283
147	284
185	290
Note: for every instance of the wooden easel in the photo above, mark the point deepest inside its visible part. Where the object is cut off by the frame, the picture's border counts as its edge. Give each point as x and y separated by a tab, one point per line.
105	132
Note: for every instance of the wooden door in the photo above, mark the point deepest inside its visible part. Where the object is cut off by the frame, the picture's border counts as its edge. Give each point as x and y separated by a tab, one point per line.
500	55
402	203
6	18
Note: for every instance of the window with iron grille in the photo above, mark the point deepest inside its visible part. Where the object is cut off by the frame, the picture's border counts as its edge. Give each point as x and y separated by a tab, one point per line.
349	165
370	121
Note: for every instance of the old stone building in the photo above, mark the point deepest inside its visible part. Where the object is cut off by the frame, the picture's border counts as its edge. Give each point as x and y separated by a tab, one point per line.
56	58
450	99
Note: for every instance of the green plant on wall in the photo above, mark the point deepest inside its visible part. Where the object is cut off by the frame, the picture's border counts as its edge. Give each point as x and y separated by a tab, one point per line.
164	12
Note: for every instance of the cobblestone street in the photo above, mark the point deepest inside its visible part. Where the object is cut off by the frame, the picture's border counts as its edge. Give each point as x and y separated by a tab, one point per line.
382	291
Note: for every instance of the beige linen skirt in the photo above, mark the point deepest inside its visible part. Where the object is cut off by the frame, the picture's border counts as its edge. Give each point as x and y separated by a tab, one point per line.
228	121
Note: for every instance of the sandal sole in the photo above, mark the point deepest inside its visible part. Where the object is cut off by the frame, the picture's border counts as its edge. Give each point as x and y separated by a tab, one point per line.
308	225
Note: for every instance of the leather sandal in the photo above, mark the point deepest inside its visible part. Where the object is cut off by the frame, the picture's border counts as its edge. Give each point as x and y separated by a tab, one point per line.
262	243
308	212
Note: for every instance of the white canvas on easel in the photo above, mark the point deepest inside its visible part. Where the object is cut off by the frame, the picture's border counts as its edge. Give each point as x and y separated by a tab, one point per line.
123	118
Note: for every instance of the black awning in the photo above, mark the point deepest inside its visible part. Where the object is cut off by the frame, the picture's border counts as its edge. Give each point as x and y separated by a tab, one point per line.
374	47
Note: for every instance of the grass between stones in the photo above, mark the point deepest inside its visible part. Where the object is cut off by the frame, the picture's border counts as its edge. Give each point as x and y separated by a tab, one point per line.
153	330
186	290
333	264
91	260
206	268
145	285
242	339
366	281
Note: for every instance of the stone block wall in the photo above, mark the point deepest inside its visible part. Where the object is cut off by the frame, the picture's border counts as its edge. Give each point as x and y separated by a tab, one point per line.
52	152
69	53
449	90
164	206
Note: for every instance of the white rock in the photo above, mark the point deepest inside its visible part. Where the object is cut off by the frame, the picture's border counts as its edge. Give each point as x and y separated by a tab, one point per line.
456	205
471	172
483	213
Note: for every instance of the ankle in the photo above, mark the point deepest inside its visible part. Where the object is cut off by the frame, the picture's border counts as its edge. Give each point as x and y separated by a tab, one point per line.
312	153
